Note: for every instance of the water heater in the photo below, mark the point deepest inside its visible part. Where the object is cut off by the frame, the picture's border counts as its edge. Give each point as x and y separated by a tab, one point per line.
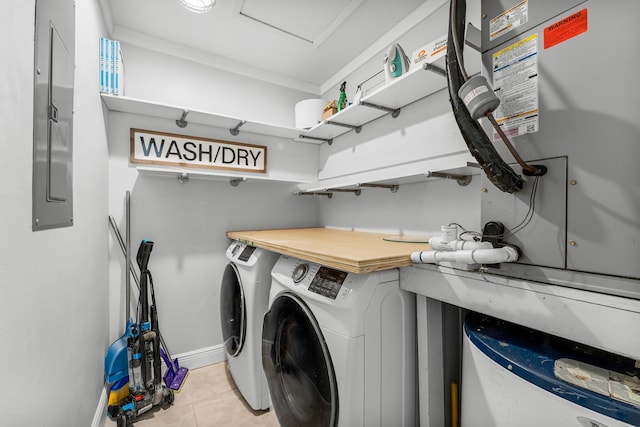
566	78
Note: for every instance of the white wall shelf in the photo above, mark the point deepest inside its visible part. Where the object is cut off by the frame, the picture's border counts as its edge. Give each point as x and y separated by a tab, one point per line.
462	176
183	175
404	90
126	104
388	99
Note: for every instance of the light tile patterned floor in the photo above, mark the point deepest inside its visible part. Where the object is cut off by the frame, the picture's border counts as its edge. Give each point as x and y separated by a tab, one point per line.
208	398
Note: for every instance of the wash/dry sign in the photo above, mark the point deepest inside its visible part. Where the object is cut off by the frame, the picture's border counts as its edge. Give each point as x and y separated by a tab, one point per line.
158	148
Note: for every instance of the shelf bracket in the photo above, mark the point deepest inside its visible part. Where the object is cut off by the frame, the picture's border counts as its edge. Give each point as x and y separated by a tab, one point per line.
395	112
462	180
344	125
355	191
328	141
182	123
236	130
434	69
392	187
236	181
314	193
473	37
183	177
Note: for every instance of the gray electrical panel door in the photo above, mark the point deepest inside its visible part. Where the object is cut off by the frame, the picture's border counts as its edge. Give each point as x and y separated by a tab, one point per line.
581	84
53	114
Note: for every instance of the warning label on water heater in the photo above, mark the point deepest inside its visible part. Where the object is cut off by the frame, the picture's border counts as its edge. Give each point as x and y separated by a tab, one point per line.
509	20
566	28
515	82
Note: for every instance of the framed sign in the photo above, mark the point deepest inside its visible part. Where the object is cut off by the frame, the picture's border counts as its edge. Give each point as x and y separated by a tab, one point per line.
168	149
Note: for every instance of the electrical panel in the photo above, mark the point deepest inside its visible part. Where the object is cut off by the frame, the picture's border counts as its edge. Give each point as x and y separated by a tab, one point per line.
53	114
565	73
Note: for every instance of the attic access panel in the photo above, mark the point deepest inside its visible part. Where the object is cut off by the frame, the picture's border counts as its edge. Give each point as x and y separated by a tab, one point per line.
309	20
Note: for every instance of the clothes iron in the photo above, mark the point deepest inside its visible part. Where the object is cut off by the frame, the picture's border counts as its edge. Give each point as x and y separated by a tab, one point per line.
396	62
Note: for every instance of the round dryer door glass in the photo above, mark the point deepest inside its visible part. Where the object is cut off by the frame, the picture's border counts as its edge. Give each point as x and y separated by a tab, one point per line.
298	366
233	316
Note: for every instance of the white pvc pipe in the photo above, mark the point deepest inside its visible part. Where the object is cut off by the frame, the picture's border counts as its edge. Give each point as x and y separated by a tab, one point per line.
475	256
438	243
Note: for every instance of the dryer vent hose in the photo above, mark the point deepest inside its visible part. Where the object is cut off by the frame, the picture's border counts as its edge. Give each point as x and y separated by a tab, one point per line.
495	168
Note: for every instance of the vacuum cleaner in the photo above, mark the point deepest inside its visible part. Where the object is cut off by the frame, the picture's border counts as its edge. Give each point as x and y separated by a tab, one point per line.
143	353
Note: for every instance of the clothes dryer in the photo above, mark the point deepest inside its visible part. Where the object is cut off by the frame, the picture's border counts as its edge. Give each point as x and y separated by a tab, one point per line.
244	298
338	348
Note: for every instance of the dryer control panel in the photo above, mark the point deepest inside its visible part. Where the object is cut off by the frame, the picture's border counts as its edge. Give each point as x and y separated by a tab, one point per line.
243	253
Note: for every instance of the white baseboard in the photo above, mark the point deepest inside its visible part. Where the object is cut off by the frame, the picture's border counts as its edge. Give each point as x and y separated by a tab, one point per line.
101	410
202	357
190	360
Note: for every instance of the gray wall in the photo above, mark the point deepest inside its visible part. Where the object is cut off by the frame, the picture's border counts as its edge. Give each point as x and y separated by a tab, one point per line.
53	309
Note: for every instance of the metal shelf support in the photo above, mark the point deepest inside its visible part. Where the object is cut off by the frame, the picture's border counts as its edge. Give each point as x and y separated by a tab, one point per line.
345	125
315	193
392	187
395	112
355	191
328	141
434	69
236	181
182	122
462	180
236	130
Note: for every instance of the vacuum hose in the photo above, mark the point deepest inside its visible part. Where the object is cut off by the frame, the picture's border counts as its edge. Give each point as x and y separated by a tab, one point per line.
496	169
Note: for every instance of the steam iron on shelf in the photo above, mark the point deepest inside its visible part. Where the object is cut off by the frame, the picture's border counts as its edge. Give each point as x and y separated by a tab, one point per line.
396	62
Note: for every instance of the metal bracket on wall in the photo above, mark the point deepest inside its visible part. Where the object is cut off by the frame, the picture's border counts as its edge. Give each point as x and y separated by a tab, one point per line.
236	130
183	177
392	187
328	141
314	193
355	191
434	69
345	125
395	112
182	122
236	181
462	180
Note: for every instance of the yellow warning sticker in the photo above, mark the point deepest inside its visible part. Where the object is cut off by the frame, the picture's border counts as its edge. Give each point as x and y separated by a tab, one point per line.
509	20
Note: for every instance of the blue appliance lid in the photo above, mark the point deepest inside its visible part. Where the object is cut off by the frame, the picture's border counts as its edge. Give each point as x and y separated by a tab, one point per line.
532	355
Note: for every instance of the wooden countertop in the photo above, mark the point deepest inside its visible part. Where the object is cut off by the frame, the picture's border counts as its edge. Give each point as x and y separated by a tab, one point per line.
352	251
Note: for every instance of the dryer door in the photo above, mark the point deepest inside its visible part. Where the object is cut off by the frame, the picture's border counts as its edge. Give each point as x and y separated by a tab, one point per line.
298	366
233	314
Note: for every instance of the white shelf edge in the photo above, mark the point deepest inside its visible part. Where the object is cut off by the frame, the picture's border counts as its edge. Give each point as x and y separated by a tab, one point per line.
458	164
214	175
354	115
131	105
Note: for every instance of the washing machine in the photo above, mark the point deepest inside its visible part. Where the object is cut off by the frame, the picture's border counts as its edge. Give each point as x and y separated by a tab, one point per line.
339	349
516	376
244	298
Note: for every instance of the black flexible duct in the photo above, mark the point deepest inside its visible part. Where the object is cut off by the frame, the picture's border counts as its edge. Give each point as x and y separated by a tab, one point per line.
496	169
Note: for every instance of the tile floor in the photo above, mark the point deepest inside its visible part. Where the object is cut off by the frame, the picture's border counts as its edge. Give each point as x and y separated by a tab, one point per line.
208	398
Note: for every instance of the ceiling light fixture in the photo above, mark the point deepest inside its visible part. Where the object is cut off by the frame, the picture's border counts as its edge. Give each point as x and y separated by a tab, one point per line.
198	6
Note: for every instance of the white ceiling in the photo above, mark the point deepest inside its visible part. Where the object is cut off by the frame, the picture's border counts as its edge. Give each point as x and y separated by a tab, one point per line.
303	44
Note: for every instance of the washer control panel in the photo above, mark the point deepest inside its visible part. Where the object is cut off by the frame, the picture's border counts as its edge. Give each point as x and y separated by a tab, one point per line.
318	279
327	282
300	272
